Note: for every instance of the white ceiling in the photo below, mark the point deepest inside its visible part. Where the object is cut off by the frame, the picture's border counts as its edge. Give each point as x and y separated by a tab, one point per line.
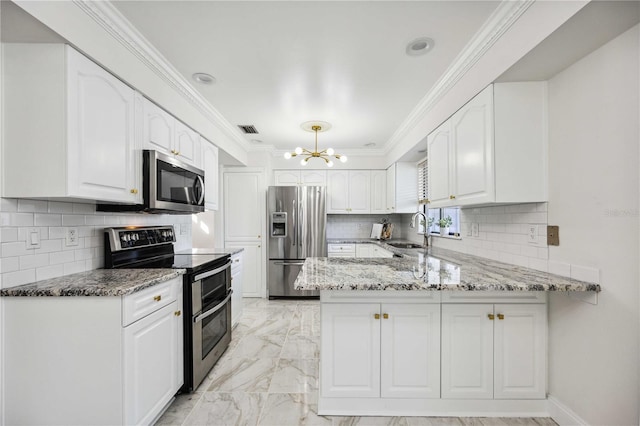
279	64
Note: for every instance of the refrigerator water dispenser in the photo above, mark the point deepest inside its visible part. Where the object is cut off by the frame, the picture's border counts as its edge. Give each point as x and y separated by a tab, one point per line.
279	224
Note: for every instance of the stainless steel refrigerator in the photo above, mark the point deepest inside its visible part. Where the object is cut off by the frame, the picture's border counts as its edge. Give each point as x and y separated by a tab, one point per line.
297	218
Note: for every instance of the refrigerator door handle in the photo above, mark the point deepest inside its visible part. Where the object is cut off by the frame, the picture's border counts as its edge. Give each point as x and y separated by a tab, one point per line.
295	228
289	263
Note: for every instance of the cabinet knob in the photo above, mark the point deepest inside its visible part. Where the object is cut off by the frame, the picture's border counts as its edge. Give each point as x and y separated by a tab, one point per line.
491	317
500	316
428	201
177	152
258	236
376	316
452	197
259	246
157	298
237	260
134	191
177	313
173	151
385	316
392	208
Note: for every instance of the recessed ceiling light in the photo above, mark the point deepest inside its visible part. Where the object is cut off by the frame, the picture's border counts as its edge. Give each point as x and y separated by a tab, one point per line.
419	46
204	78
370	144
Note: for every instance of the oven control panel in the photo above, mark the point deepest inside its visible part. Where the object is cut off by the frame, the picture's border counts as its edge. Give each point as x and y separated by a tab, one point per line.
134	237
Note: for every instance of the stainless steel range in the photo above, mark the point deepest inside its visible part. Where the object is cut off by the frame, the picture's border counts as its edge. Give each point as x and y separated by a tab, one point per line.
206	291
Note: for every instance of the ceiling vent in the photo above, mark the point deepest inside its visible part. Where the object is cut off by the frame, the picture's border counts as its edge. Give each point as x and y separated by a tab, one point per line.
248	129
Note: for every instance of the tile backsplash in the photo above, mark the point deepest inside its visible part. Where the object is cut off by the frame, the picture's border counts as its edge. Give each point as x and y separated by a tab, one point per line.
359	225
54	258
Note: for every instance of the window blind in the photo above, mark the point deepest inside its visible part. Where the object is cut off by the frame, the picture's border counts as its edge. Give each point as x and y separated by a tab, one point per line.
423	182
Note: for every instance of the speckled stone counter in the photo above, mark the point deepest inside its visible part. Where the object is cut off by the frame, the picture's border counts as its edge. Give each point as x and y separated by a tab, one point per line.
215	250
435	269
99	282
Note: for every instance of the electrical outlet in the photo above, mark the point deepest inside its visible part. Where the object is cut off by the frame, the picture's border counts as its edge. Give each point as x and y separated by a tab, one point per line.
72	237
475	229
532	234
469	230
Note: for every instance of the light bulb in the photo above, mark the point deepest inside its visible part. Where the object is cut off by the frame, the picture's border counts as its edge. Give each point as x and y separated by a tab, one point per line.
287	155
303	162
298	150
330	151
343	158
329	163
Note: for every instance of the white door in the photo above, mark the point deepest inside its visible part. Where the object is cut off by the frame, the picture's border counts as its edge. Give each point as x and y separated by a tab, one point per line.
338	191
379	192
286	177
159	128
410	351
178	321
210	167
439	161
472	139
313	177
359	191
244	206
253	279
150	365
467	351
520	351
391	189
187	144
101	133
237	274
350	350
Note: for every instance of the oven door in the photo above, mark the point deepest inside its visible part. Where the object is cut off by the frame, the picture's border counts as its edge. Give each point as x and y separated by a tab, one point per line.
172	184
211	319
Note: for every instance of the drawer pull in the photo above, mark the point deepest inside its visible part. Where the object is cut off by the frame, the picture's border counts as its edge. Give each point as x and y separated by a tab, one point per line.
385	316
157	298
491	317
500	316
376	316
177	313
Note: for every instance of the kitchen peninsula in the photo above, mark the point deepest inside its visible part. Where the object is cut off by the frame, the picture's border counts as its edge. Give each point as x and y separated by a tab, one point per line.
432	333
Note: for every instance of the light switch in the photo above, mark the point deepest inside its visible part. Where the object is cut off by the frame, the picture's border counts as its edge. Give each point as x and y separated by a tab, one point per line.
33	238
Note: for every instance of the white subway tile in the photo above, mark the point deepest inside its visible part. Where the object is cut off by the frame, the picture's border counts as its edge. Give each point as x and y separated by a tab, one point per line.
12	279
73	220
560	268
543	253
514	249
74	267
8	235
8	204
94	220
49	246
43	219
48	272
21	219
83	254
529	251
5	219
84	208
17	248
91	264
59	207
9	264
87	231
34	261
583	273
58	232
520	260
61	257
539	264
506	258
93	242
30	206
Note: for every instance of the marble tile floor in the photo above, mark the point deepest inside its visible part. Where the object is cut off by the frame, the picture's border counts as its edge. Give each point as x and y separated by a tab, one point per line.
269	376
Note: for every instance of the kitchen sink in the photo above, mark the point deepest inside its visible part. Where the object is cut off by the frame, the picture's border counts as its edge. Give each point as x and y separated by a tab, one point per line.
406	245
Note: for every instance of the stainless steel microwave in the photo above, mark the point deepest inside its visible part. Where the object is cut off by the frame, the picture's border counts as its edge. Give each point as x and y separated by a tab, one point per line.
168	186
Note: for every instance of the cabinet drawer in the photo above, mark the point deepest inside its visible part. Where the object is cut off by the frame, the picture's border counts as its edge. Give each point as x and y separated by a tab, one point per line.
341	248
236	264
142	303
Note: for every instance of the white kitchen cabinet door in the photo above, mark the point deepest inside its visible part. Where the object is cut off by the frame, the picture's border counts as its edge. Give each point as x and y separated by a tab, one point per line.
187	144
350	350
254	271
313	177
467	351
359	191
178	320
380	252
406	193
439	160
286	177
150	365
210	167
410	351
364	250
379	192
237	274
472	138
391	189
159	128
244	206
101	133
338	191
520	351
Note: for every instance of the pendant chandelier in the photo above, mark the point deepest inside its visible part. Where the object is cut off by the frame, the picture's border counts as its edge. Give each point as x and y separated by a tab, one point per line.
316	126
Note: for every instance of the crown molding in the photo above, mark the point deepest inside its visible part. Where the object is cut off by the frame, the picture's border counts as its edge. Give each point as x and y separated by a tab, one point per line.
116	25
505	15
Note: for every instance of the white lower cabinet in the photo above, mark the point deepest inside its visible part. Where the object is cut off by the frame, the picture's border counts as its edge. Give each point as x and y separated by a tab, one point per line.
378	350
357	250
253	278
93	360
493	351
237	274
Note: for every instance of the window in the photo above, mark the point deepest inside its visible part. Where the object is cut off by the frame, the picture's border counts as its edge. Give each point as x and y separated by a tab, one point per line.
435	214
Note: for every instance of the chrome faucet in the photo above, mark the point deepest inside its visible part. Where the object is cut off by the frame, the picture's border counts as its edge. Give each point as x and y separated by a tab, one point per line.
412	224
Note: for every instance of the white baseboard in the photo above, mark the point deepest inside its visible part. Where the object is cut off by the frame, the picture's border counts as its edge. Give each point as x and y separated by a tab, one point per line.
562	414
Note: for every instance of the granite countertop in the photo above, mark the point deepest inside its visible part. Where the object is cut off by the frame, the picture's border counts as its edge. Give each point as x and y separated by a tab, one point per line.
215	250
432	269
99	282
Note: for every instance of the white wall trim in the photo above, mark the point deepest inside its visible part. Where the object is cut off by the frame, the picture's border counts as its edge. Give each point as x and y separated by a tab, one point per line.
505	15
116	25
562	414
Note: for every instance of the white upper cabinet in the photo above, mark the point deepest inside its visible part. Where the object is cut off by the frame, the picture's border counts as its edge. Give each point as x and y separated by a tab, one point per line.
402	188
244	206
69	127
379	192
209	158
300	177
492	150
164	133
349	191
